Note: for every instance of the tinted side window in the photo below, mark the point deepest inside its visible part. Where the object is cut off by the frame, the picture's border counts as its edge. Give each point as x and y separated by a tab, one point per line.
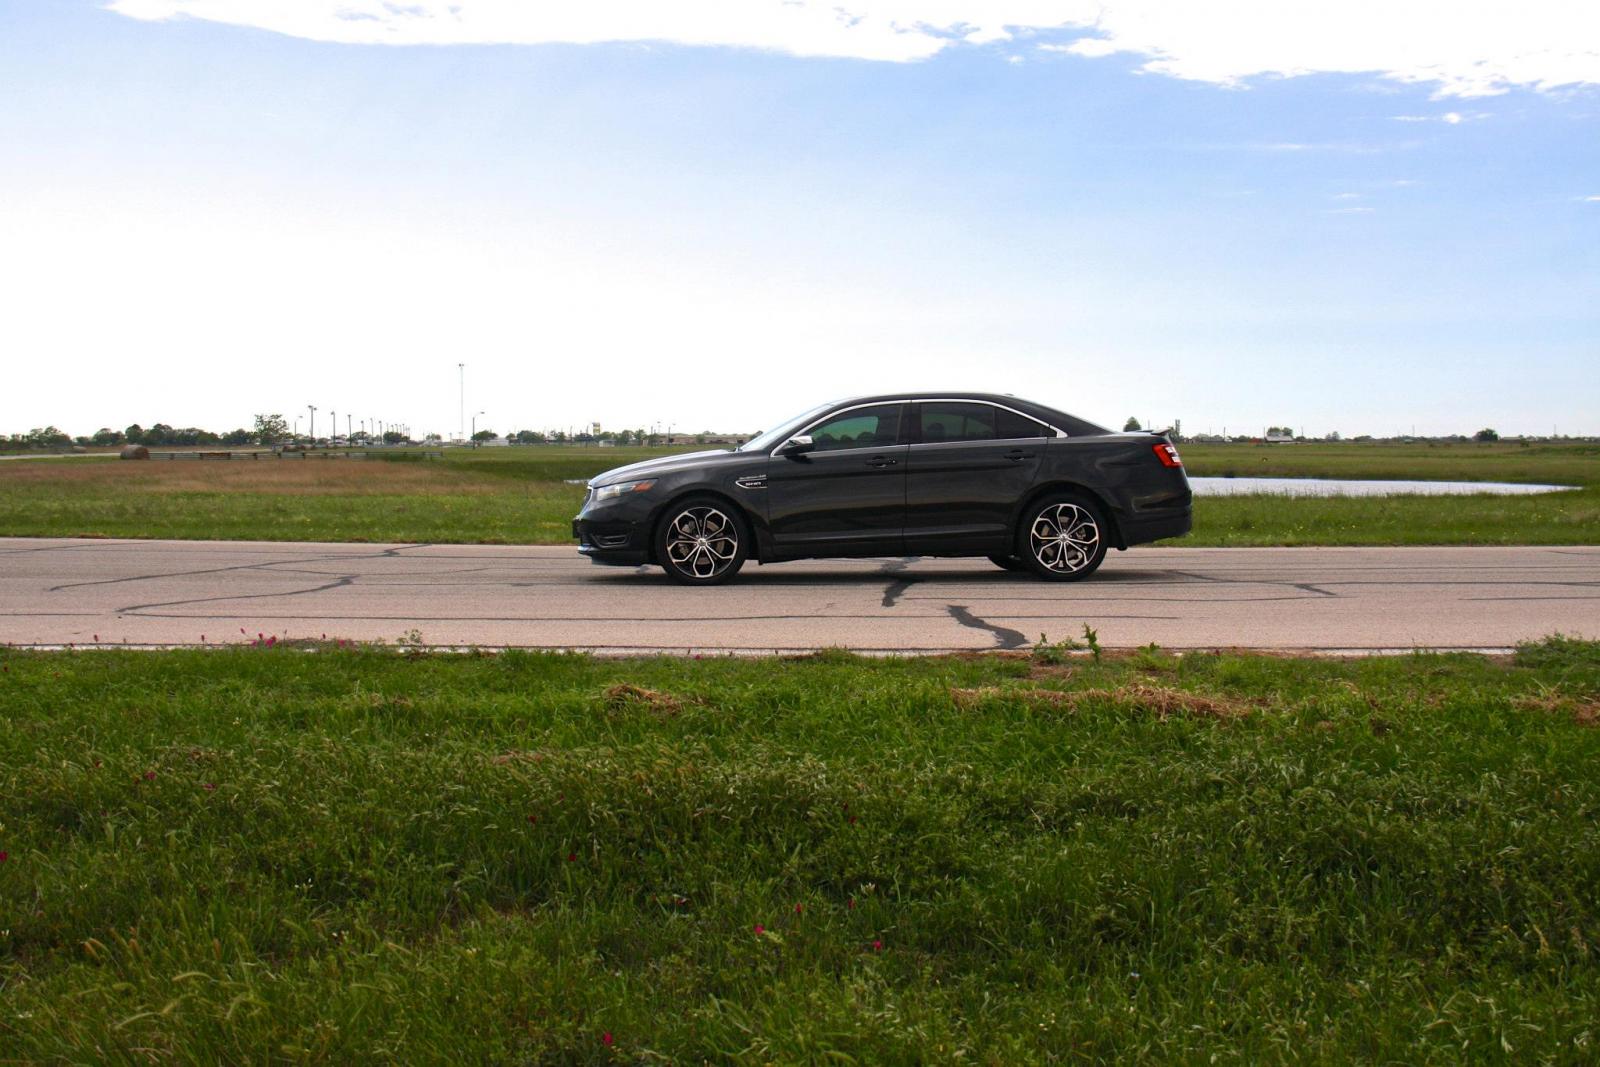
1012	425
950	421
861	428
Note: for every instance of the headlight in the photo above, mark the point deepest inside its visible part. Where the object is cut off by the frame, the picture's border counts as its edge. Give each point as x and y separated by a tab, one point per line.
606	492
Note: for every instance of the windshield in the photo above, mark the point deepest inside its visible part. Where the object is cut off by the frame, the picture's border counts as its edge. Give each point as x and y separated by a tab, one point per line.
780	433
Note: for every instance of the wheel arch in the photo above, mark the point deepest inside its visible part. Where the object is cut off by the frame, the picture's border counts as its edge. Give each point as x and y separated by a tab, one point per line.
1063	486
658	516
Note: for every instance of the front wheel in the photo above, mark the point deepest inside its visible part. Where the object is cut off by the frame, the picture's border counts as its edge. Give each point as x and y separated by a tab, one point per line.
701	541
1062	538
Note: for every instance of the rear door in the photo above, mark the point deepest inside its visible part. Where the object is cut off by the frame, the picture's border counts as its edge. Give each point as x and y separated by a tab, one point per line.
848	495
968	465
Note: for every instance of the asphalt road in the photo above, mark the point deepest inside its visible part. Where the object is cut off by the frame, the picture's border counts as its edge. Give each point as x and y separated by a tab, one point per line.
59	591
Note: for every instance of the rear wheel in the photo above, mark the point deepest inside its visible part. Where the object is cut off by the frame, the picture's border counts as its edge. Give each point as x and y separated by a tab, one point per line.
1062	537
701	541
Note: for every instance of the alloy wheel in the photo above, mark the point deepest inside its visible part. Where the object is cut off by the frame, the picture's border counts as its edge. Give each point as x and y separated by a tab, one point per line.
1064	538
702	542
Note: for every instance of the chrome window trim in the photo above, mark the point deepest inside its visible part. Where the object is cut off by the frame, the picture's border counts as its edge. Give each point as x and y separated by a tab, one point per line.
1058	431
840	411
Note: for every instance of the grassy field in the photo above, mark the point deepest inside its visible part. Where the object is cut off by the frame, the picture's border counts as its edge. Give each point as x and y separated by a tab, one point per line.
518	496
354	855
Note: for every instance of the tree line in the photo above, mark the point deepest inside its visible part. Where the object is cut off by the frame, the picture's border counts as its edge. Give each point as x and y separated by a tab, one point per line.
270	430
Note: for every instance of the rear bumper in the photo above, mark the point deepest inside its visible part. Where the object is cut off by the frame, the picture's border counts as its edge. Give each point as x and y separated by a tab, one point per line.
1153	526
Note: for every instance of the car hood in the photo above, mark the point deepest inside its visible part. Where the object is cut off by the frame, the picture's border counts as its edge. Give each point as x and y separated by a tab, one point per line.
664	465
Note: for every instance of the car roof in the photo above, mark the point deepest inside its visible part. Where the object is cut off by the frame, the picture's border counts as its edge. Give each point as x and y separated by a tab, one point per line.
1071	424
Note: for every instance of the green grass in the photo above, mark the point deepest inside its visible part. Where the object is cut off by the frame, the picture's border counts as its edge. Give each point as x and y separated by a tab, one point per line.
519	496
349	855
1568	518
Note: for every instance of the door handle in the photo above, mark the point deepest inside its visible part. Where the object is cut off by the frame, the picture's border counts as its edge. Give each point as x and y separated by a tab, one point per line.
881	461
1017	453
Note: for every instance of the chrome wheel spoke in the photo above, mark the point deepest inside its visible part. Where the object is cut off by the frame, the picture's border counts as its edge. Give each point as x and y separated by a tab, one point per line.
702	542
1064	538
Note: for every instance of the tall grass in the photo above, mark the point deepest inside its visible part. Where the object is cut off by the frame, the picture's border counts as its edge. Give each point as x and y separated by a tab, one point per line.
348	854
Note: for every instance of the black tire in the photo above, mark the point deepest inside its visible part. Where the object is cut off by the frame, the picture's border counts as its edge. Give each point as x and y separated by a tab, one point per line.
701	540
1062	537
1009	563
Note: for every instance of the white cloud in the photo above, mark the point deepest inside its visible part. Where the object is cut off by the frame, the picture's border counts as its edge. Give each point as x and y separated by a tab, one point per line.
1449	118
1471	48
1592	199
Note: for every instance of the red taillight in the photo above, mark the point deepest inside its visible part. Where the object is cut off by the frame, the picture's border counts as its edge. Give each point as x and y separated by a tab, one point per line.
1168	455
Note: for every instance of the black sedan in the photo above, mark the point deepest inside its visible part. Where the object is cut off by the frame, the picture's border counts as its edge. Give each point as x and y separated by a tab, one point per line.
935	474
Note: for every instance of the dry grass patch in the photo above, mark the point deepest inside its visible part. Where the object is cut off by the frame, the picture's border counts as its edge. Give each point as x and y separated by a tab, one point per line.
1585	711
296	477
624	697
1160	701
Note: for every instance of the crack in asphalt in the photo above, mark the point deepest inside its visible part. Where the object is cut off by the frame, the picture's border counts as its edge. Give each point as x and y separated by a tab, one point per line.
341	581
899	580
388	553
1003	638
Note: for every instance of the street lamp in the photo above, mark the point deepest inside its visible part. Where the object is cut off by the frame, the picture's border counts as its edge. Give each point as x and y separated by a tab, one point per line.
461	428
313	408
475	415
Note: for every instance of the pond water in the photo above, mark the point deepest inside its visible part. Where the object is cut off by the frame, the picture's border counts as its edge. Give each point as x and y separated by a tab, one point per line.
1359	487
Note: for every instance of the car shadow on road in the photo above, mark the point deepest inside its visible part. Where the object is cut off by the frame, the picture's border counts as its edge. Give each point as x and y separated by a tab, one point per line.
816	573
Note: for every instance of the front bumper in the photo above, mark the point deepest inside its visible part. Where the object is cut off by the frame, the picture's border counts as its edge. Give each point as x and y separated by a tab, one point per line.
614	534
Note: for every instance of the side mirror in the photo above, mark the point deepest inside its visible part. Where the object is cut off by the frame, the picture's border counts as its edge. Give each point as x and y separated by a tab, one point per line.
798	445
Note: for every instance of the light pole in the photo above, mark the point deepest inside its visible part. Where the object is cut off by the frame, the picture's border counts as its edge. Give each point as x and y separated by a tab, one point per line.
347	421
297	427
313	408
475	415
462	427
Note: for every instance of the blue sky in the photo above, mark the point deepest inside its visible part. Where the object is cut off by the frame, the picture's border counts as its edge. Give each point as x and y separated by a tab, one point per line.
201	219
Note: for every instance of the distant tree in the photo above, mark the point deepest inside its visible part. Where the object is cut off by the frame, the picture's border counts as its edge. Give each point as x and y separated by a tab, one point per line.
270	429
134	434
1131	425
485	435
107	436
394	437
529	437
432	439
240	436
47	437
1485	435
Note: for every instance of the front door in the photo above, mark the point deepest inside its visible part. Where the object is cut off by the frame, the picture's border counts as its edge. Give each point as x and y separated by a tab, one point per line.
968	468
847	496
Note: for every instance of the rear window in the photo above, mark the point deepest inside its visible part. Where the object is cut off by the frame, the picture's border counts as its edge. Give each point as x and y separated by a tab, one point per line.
954	421
1011	426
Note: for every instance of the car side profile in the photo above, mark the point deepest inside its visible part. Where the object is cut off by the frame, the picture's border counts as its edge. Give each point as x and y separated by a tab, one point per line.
910	474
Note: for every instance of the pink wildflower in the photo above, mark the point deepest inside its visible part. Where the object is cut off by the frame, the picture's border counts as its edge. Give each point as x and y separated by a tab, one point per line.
760	929
605	1038
877	946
